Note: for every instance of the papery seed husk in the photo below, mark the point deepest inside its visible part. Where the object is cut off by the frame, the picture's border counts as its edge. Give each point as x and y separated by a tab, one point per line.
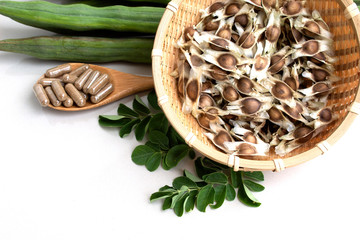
189	33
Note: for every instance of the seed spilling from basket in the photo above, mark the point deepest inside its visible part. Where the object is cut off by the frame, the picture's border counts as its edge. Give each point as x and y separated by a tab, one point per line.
257	74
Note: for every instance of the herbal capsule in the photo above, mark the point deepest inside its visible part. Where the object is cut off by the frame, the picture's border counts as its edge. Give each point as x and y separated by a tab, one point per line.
58	90
99	83
53	99
77	72
93	76
68	102
47	81
75	94
41	95
80	82
103	93
58	71
68	78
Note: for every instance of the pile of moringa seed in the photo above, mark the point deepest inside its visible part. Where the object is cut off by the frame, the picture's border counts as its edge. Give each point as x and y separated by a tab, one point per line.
257	74
65	86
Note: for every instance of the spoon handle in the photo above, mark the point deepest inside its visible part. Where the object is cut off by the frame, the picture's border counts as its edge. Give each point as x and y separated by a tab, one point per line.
128	84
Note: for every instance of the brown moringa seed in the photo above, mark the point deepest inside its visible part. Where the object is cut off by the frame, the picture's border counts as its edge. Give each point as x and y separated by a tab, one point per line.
319	74
217	73
295	112
321	89
225	33
246	149
261	63
303	134
257	2
230	94
296	34
234	37
219	44
250	105
212	25
276	63
247	40
292	82
206	100
242	19
216	6
232	9
282	91
311	47
206	85
318	58
269	3
325	115
222	137
272	33
245	85
227	61
250	137
323	25
275	114
196	60
192	90
311	28
204	119
292	7
189	33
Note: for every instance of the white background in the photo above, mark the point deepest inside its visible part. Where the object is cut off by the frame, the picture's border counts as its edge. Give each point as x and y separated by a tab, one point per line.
62	176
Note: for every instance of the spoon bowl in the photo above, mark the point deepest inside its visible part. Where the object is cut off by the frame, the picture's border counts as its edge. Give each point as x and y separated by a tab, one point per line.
124	84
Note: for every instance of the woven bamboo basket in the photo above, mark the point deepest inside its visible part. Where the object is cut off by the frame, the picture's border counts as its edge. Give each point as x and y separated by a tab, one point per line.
343	18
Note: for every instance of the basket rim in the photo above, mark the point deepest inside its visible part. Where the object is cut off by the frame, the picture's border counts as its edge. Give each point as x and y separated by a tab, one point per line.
239	163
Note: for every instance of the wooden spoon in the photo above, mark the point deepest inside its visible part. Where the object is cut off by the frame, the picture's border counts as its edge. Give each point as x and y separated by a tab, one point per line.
124	85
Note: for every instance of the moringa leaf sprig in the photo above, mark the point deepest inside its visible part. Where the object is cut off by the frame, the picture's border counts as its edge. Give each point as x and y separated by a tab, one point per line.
212	184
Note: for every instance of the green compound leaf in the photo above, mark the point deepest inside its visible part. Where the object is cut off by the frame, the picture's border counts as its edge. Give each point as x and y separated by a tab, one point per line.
253	186
220	195
152	99
154	146
125	111
160	195
113	120
167	203
246	197
257	176
205	197
189	203
127	128
179	205
159	138
236	178
230	192
192	176
142	128
159	122
153	162
141	154
216	177
140	107
176	154
183	181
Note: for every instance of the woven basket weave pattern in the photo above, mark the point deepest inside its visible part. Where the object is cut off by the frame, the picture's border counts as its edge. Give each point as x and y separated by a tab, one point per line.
346	48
